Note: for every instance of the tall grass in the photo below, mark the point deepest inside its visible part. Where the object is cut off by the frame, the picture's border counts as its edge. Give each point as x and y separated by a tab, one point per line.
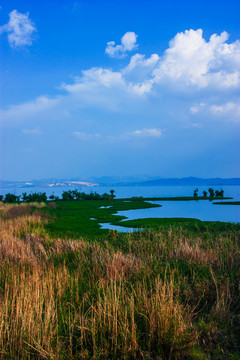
164	294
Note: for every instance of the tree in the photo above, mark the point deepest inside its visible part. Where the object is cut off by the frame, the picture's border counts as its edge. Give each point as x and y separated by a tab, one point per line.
96	196
77	194
11	198
211	192
39	197
204	193
112	194
1	197
221	193
195	194
68	195
25	197
106	196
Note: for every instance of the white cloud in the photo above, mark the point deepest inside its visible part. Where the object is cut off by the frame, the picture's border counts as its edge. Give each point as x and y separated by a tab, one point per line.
196	108
128	43
85	136
29	109
93	77
208	71
146	133
32	132
139	61
99	87
230	108
190	60
141	88
95	83
139	72
20	29
227	108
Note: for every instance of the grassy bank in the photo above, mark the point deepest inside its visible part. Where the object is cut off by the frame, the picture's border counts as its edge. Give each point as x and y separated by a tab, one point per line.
168	293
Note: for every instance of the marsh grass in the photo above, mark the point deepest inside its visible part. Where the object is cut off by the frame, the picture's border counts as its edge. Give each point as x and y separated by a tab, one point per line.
168	293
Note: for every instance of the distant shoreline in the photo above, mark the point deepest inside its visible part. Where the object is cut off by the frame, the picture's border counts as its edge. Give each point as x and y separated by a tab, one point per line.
101	182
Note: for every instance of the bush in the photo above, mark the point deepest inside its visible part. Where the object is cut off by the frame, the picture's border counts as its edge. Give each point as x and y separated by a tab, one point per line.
77	195
36	197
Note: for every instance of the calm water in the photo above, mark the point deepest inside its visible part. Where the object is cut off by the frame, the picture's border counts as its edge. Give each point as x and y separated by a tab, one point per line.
202	210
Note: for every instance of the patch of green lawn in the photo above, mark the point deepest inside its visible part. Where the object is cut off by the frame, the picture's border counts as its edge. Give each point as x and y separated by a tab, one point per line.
73	218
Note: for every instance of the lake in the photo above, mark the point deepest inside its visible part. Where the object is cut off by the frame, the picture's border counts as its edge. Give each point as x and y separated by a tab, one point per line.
202	210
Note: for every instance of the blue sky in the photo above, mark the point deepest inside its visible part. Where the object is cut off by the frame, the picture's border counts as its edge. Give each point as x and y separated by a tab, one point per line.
94	88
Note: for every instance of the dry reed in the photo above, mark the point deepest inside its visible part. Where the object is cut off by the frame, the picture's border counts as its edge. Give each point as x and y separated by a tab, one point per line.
73	299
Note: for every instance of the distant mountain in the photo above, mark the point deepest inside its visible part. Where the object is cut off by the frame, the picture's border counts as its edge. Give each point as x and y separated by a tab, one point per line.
48	183
122	180
115	181
191	181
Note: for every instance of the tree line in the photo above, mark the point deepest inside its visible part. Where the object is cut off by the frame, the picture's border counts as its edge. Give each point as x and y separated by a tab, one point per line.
212	193
66	195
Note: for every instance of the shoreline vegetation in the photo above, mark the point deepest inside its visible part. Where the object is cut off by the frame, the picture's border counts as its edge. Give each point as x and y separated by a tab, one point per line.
78	195
70	290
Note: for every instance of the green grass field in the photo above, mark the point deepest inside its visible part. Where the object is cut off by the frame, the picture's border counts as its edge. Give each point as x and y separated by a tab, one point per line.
73	218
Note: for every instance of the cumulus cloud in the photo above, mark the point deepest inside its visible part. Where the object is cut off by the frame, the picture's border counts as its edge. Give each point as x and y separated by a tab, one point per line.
141	88
190	60
139	61
128	43
32	132
153	84
93	77
99	87
139	72
20	29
